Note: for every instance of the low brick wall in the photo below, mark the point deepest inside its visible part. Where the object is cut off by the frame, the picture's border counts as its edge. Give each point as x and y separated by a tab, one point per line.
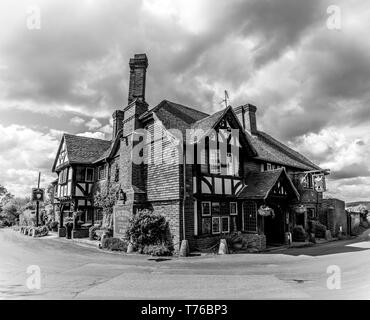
80	233
210	243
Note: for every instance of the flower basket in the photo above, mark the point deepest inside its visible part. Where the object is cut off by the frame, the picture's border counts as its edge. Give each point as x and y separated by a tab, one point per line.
266	211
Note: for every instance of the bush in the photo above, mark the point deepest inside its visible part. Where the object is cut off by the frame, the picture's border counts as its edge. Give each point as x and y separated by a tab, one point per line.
92	233
54	225
114	244
158	250
299	234
148	229
318	229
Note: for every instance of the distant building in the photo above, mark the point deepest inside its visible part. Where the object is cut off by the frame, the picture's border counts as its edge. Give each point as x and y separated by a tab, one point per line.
334	216
219	191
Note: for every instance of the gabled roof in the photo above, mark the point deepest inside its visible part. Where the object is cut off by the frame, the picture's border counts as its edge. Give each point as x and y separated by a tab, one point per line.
177	116
211	122
259	184
174	115
83	150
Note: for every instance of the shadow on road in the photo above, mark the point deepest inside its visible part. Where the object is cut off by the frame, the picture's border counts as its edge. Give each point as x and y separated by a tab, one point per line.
329	248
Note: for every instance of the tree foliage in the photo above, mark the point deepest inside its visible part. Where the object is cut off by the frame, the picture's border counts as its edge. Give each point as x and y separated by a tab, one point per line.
105	198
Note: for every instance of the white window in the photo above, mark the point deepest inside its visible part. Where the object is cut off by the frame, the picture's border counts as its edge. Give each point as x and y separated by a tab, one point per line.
206	208
216	227
268	167
214	161
232	164
225	224
233	208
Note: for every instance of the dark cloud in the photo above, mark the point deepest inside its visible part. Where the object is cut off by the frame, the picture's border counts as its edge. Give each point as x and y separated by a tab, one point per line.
352	171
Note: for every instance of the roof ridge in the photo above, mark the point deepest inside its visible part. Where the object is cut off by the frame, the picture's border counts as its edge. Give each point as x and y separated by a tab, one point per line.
83	137
186	107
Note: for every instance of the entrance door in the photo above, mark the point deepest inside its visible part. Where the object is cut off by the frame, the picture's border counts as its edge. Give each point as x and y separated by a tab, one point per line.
274	227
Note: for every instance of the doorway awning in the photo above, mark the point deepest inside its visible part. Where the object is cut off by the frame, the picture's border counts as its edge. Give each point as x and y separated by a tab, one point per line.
261	185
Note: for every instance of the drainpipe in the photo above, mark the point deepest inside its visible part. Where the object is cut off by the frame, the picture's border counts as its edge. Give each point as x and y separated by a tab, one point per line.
184	193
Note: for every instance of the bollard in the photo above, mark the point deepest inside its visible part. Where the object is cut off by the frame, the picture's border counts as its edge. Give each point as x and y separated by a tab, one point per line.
130	248
184	248
223	247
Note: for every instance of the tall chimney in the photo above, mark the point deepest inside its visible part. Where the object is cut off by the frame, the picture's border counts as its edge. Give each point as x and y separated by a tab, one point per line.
138	66
118	117
247	117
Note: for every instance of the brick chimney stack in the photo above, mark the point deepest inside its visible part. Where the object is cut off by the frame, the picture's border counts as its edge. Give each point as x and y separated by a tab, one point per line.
138	66
118	117
247	117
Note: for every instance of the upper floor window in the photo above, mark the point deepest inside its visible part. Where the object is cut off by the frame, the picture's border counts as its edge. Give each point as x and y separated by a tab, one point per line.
101	172
214	161
307	181
85	174
89	175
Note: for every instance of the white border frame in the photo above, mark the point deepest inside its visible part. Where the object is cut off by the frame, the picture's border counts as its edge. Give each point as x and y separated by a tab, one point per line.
210	208
236	205
219	225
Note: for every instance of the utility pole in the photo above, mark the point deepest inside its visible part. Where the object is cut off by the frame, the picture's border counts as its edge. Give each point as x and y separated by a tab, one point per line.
37	202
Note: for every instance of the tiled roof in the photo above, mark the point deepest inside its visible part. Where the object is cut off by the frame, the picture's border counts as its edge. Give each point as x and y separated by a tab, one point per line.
85	150
271	150
174	115
259	184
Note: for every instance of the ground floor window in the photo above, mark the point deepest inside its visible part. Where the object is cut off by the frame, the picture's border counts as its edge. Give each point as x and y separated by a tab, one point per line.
216	227
250	216
218	217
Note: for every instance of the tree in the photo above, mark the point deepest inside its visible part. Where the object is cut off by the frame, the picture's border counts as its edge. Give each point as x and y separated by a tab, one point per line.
14	207
106	199
50	194
5	196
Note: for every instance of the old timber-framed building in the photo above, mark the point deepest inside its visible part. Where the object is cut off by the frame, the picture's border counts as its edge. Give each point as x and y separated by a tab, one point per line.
207	197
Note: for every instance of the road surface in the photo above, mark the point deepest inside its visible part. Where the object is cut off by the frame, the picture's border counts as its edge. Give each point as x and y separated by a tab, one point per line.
71	271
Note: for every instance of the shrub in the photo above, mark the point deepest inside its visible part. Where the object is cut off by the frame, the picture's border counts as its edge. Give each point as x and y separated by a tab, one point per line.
92	233
147	228
298	234
318	229
114	244
54	225
158	250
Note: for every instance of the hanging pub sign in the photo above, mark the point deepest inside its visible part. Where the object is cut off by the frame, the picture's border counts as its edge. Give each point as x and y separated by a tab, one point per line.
266	211
319	182
38	194
300	209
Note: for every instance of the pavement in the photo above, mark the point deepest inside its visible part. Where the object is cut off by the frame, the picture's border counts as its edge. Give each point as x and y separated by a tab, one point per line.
70	270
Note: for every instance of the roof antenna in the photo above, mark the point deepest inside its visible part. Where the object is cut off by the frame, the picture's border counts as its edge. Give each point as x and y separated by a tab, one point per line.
226	99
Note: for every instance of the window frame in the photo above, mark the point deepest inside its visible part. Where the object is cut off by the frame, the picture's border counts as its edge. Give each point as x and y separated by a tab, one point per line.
219	225
86	170
210	208
236	208
228	224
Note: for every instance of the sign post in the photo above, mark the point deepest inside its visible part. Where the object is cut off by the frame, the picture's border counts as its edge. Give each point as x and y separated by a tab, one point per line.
38	195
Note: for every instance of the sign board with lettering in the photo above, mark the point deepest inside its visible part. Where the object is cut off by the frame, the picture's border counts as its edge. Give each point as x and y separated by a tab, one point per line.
121	217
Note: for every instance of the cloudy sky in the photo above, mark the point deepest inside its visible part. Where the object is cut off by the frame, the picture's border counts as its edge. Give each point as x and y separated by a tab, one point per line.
309	81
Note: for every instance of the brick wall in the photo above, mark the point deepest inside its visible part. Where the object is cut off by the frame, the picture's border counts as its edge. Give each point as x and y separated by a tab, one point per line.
171	211
335	215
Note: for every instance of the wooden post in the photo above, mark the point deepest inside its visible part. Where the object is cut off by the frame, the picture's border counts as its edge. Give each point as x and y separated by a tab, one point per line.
37	203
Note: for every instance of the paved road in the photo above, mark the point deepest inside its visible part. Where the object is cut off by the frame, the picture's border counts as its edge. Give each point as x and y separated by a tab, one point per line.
70	271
